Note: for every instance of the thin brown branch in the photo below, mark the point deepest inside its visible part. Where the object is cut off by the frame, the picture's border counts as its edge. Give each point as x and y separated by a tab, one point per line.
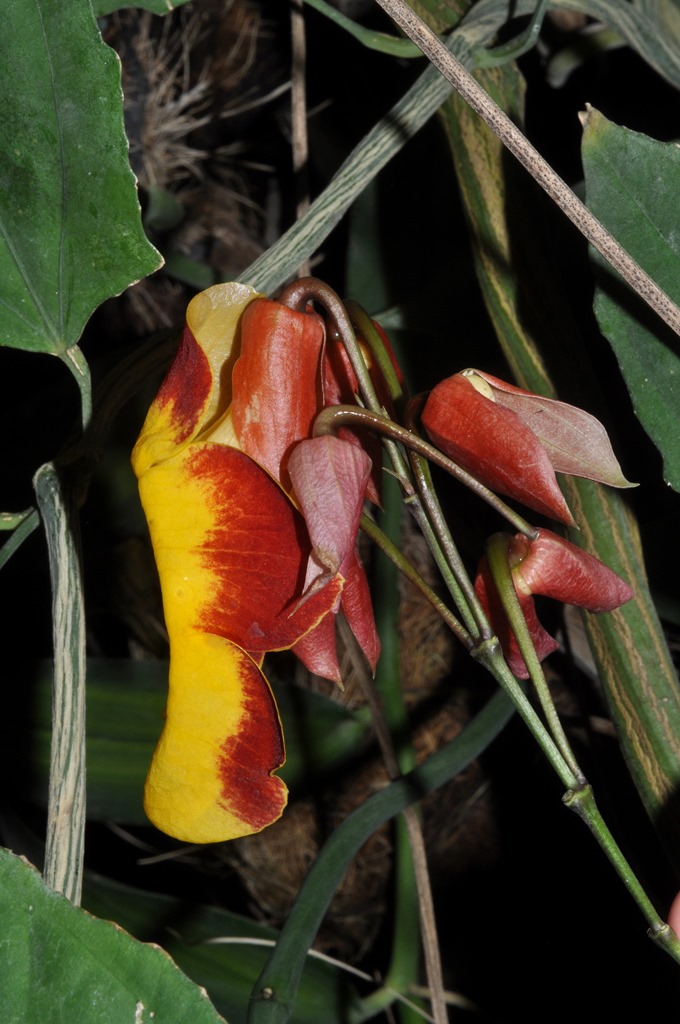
299	116
428	926
513	139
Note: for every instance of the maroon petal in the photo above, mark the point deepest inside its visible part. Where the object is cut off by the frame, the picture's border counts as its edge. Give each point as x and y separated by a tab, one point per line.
543	642
554	567
494	445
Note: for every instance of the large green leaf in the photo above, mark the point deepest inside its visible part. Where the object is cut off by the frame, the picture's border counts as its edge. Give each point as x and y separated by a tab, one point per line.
70	226
221	951
632	186
58	963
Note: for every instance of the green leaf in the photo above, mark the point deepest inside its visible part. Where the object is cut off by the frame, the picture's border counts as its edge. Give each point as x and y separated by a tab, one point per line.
221	951
102	7
380	41
632	186
58	963
70	226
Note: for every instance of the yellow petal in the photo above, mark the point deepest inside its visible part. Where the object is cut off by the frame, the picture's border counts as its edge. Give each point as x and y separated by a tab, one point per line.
214	319
194	398
211	776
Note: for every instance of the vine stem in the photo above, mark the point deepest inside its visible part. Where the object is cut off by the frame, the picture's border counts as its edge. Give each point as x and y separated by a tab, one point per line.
513	139
497	557
410	573
66	801
579	796
582	802
333	417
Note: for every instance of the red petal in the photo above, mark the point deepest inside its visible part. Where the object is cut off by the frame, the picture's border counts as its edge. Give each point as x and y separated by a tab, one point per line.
575	441
317	651
186	387
543	642
276	390
556	568
256	552
248	757
329	477
176	413
340	387
358	609
493	444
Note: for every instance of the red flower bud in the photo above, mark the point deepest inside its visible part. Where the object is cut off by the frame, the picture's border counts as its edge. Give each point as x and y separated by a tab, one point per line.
514	441
552	567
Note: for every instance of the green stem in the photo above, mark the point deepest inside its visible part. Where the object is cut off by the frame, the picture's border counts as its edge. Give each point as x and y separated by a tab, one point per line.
28	521
490	655
411	573
516	47
77	364
468	604
579	796
497	556
582	801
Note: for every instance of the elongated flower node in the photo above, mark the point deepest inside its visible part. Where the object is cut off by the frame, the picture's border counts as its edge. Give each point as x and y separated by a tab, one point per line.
514	441
253	526
552	567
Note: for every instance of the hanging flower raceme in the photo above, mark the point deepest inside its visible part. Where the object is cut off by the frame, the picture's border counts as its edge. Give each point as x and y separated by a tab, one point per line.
552	567
255	552
514	441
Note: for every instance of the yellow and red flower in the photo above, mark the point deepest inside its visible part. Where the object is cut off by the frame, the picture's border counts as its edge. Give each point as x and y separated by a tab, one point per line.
249	560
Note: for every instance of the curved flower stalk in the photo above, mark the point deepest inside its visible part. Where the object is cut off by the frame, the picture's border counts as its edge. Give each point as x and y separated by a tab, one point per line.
245	566
550	566
514	441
